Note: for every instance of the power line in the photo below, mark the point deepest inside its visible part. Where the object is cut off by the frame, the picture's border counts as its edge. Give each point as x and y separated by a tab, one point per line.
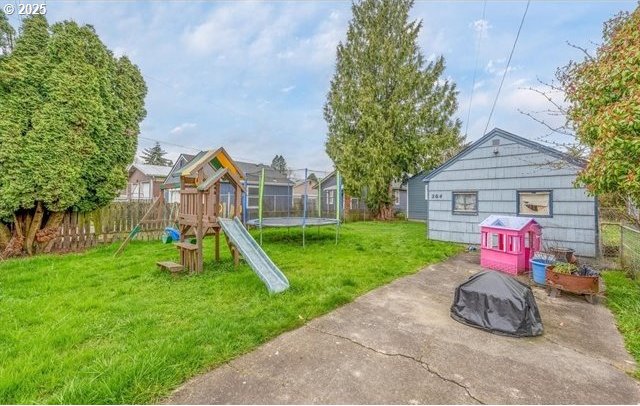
506	69
169	143
475	71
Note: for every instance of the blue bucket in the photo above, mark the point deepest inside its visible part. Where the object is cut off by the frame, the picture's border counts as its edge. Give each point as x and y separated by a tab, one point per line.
539	270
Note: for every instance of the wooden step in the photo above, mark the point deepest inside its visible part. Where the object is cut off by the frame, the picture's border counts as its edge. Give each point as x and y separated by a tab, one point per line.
186	245
170	266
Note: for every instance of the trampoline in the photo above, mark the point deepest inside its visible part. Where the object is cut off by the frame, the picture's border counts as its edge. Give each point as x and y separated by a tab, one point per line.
293	222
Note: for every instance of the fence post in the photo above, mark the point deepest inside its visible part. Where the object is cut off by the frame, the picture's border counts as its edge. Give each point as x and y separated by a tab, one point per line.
621	245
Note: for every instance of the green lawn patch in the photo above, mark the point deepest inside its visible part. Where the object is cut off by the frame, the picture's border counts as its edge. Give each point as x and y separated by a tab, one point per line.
623	298
91	328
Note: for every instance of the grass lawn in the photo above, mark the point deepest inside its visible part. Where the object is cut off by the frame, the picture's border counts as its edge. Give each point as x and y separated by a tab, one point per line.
623	298
91	328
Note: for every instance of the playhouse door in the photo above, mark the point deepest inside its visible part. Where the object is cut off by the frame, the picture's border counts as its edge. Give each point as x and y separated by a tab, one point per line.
529	244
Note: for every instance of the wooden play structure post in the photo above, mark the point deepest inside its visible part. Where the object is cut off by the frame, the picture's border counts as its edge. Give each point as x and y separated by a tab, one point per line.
201	206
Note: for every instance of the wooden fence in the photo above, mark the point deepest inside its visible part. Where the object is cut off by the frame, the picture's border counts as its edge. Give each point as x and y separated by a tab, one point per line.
112	223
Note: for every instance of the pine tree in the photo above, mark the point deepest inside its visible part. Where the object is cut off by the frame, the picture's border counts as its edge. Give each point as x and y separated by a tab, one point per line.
69	120
155	156
388	112
312	177
279	164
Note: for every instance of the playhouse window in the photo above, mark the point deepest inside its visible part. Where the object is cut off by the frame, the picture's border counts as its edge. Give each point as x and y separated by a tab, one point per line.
534	203
465	202
496	241
514	244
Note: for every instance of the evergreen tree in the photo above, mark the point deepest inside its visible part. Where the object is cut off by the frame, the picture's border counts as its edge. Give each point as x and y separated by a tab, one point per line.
312	177
155	156
388	112
69	120
279	164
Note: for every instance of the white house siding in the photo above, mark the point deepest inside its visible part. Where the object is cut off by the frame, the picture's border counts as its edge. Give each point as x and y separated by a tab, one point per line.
496	178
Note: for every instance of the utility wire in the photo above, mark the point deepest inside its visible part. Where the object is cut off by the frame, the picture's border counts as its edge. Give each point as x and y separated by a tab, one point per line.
169	143
506	69
475	71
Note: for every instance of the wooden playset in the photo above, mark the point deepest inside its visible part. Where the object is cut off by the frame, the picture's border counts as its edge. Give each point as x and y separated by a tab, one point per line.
200	207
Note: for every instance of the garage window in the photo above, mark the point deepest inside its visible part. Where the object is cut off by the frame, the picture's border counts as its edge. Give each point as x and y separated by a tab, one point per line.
465	202
534	203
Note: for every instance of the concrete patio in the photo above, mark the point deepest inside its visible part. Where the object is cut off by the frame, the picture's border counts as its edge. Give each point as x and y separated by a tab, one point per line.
397	344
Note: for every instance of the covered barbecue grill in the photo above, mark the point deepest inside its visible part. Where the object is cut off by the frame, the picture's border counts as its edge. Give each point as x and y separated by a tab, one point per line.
497	303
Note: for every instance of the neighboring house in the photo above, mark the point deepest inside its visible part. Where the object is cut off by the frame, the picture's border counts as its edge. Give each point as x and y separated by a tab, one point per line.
503	173
171	185
417	197
311	188
277	189
277	193
144	182
302	187
399	192
329	195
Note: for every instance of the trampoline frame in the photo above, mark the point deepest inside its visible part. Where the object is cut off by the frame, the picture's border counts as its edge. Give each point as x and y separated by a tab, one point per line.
280	222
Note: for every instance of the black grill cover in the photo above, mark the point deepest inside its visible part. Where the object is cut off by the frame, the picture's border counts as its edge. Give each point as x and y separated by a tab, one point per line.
497	303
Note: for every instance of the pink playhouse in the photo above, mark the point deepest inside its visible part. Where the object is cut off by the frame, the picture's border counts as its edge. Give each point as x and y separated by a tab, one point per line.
507	243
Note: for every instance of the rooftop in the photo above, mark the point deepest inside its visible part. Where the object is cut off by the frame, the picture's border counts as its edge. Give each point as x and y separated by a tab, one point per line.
152	170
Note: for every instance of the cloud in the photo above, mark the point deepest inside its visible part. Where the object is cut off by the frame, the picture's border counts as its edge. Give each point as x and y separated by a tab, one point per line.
227	28
520	96
261	34
287	89
182	128
481	28
492	67
119	52
317	50
226	65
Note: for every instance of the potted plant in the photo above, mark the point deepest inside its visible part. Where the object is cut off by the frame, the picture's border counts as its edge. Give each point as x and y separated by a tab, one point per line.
569	277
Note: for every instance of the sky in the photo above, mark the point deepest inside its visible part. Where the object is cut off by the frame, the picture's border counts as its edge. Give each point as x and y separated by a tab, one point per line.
253	76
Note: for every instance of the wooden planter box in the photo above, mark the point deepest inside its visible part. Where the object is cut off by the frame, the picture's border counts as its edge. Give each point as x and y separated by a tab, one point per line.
580	285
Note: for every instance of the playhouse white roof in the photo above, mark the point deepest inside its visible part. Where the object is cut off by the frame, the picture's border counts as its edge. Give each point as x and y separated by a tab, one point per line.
507	222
